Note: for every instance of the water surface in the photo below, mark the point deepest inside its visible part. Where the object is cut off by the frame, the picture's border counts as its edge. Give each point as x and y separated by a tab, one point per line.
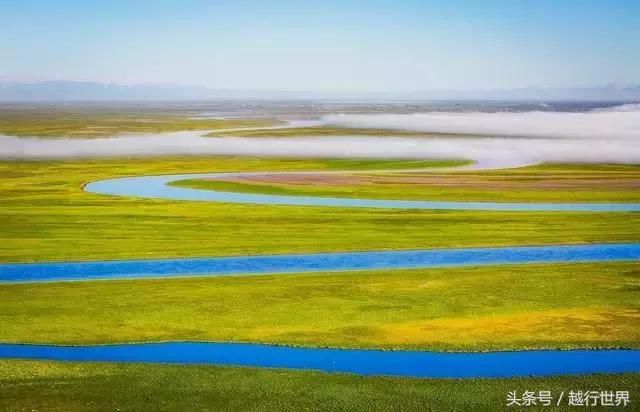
156	187
363	362
318	262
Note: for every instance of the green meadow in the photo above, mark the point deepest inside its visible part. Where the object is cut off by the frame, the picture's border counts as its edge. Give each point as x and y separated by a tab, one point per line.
75	122
454	309
68	386
545	183
322	131
46	216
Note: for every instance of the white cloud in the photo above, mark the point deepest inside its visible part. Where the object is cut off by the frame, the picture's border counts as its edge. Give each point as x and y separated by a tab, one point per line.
621	122
611	136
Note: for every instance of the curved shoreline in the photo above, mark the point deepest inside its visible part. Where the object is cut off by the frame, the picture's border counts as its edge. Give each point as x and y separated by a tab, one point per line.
407	363
156	187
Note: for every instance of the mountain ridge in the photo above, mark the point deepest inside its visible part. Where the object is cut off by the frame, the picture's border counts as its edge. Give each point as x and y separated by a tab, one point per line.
60	90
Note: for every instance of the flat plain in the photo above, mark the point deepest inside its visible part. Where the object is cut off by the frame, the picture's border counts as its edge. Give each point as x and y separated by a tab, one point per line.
64	386
509	307
90	121
46	216
542	183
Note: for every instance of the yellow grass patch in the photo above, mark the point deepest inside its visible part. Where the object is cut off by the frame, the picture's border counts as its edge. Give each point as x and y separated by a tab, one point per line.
571	325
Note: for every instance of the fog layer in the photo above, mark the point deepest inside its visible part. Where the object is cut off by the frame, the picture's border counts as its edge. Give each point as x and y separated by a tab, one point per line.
620	122
604	136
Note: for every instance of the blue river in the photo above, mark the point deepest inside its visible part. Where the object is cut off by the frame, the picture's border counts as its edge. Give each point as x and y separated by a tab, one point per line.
318	262
156	187
420	364
364	362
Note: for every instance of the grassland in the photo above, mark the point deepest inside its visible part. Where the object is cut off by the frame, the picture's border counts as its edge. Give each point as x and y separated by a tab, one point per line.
481	308
323	131
45	215
74	122
546	183
61	386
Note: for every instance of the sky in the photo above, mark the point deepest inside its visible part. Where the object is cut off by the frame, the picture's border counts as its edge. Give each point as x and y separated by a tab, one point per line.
329	45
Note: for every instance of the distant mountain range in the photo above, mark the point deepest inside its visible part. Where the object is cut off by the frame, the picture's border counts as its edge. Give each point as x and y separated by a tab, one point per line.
94	91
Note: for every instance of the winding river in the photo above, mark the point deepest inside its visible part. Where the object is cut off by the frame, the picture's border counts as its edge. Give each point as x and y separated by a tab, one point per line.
157	187
364	362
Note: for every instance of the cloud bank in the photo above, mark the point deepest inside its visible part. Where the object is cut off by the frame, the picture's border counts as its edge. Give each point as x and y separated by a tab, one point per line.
604	136
620	122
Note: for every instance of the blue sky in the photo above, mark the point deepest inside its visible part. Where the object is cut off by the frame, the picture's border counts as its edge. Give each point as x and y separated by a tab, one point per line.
324	45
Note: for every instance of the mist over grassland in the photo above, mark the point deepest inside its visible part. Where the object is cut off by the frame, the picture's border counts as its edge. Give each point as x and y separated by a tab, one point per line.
620	122
604	135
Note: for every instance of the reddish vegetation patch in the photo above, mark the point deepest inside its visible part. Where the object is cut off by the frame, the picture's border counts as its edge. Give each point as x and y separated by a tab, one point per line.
301	179
442	180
